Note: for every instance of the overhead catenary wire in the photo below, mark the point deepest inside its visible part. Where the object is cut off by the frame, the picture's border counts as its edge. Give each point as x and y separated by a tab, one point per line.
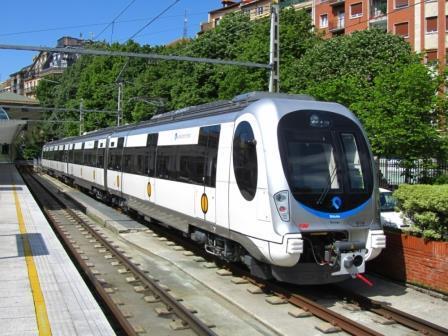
115	18
56	109
153	19
93	24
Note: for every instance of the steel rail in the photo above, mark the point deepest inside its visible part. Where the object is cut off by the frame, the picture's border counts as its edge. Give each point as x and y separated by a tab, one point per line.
350	326
118	315
198	326
390	313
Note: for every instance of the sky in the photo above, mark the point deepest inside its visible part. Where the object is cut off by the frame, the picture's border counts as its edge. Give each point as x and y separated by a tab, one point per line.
42	23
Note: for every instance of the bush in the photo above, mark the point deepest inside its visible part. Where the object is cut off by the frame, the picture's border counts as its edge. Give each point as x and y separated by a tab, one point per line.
441	179
427	207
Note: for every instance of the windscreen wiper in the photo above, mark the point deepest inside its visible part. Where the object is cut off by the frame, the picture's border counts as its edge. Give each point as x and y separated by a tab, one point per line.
328	186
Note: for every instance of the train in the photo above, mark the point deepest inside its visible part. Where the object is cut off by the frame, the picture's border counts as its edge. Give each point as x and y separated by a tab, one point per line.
282	183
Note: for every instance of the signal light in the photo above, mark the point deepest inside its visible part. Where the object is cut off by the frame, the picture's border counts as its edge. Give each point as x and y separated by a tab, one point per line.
281	200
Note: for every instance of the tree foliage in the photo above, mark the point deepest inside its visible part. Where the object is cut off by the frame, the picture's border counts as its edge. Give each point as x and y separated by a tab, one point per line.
374	74
383	82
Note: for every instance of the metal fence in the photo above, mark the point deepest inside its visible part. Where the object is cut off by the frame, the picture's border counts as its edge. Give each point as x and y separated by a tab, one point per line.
393	172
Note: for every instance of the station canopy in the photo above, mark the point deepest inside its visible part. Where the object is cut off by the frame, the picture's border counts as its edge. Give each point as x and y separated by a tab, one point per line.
14	115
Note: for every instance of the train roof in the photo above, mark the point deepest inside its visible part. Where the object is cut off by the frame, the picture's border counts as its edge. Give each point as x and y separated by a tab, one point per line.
192	112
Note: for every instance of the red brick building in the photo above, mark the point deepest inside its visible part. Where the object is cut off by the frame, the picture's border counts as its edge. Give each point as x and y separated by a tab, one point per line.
422	23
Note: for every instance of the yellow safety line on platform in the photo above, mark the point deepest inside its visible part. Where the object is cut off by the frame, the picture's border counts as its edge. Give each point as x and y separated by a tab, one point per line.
39	302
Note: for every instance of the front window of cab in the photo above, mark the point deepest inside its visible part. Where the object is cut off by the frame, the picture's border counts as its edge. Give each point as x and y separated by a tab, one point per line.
326	160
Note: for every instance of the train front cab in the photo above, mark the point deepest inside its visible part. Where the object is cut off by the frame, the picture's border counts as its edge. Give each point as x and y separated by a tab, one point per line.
329	171
311	190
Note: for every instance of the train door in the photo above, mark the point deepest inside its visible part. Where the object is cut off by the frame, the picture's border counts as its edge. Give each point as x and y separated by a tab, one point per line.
66	155
114	167
210	136
71	158
151	148
106	162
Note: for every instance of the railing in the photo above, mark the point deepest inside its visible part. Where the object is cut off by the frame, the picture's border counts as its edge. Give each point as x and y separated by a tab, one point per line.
51	70
335	2
393	172
286	3
337	25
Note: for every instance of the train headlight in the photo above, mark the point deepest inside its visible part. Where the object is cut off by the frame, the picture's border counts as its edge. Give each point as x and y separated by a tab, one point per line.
281	200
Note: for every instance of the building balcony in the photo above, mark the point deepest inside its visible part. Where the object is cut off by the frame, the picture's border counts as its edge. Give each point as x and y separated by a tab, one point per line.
377	15
287	3
337	26
52	70
379	22
29	90
206	26
336	2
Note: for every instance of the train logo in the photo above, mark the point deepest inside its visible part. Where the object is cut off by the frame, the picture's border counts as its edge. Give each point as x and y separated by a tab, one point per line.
336	202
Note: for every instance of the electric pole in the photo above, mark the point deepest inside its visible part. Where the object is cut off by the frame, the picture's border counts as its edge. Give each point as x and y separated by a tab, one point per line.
120	95
81	118
274	52
185	33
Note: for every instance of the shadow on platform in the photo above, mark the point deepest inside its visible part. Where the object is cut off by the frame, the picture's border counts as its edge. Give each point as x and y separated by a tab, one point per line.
36	243
10	188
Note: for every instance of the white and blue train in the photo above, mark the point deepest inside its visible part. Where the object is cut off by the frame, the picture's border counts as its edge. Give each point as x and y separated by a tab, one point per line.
283	183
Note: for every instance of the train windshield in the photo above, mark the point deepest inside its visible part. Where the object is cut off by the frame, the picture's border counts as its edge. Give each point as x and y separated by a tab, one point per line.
325	155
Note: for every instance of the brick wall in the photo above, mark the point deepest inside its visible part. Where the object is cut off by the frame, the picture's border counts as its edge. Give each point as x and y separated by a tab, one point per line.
411	259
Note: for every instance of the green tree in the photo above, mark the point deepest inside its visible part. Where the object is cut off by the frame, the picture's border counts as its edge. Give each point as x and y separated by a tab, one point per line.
383	82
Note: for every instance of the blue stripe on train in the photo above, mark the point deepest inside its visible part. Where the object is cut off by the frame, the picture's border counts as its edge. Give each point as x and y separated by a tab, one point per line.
340	215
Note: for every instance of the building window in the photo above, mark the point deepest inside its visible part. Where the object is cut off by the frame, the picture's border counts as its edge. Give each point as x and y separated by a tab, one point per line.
402	29
356	10
446	23
401	3
259	10
431	24
431	56
324	21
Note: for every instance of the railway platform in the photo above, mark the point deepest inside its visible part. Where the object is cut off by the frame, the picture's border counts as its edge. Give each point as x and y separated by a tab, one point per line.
41	291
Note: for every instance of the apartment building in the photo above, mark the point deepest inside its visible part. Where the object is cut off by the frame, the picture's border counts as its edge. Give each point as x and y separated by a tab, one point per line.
423	23
254	8
24	81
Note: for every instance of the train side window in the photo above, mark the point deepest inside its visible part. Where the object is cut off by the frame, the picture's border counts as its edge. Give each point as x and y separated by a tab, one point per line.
151	144
353	161
211	135
166	163
191	163
245	163
120	142
100	158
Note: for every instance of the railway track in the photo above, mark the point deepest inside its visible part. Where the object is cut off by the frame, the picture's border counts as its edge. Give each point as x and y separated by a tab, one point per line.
310	307
413	322
85	242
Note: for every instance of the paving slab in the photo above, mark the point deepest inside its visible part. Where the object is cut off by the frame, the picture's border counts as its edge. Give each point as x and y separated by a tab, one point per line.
70	307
